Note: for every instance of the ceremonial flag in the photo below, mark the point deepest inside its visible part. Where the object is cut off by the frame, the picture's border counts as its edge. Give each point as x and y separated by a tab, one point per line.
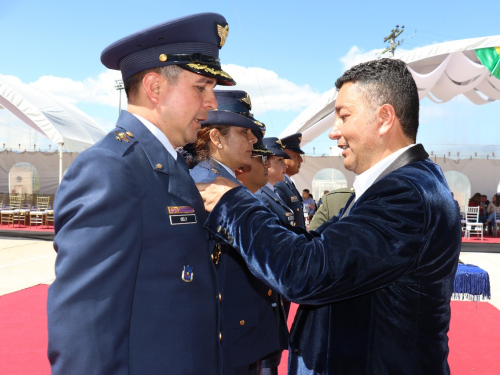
490	58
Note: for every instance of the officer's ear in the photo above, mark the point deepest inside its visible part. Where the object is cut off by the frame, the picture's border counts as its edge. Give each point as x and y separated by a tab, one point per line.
152	84
215	137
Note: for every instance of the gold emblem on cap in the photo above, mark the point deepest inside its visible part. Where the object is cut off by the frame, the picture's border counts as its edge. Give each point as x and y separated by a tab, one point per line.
163	57
159	166
258	123
247	101
223	32
279	142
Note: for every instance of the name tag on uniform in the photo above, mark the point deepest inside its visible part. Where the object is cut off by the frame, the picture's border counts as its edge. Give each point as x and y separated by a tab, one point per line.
294	198
181	215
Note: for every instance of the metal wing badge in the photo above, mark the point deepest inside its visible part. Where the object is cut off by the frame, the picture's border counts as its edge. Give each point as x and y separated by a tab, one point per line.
223	32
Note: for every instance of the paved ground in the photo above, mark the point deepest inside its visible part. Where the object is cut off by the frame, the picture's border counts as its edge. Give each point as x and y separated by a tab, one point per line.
25	263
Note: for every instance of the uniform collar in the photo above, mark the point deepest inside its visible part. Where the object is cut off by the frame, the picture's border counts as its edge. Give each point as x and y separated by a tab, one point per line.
159	135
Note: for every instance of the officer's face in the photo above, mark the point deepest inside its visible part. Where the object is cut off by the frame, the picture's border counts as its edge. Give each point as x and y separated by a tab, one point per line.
294	163
184	105
355	129
237	147
277	170
255	175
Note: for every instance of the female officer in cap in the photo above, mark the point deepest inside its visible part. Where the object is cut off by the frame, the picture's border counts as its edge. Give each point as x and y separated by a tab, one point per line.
249	332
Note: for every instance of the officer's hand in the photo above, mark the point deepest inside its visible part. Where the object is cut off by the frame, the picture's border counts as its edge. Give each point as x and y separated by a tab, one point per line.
213	191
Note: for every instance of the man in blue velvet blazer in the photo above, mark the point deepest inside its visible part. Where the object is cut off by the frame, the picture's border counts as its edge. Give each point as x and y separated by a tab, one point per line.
136	289
374	283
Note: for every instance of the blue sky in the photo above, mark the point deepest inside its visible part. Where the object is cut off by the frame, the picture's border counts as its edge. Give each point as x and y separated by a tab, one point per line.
285	53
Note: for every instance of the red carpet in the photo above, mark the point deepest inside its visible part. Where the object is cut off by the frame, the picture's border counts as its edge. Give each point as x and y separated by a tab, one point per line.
474	335
23	332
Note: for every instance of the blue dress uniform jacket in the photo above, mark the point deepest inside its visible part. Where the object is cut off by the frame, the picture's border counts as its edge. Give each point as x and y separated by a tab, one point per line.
290	195
374	286
119	303
248	327
276	205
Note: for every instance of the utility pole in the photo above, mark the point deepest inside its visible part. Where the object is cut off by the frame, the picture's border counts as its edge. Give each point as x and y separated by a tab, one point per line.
119	86
392	40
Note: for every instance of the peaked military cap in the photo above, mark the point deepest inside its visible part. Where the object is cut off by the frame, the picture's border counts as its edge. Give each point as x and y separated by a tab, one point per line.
233	109
292	142
260	149
274	144
192	42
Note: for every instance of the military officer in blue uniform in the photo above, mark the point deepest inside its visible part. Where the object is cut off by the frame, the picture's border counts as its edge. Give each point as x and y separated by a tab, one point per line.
136	291
286	189
249	329
267	194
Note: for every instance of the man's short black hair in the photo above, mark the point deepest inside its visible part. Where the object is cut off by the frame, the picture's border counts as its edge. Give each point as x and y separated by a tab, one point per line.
306	190
388	81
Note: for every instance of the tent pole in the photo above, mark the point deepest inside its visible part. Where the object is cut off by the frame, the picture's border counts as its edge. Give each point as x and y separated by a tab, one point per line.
60	161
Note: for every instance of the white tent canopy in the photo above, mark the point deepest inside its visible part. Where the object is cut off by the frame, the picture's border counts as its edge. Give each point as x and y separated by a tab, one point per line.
60	122
441	72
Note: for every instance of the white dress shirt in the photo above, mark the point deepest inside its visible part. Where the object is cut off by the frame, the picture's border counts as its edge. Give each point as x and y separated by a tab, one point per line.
364	180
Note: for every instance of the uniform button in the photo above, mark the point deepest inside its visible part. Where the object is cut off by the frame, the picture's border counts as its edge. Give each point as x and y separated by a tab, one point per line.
242	322
297	209
220	297
220	336
269	292
159	166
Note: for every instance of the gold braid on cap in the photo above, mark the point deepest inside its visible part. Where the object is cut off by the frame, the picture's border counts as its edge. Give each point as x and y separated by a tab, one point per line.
210	70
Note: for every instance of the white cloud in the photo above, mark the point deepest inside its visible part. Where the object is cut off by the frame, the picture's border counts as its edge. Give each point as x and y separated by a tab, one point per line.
357	56
270	92
98	90
267	90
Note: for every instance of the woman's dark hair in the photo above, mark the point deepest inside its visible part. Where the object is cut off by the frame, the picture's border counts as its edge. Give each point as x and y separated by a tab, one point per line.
497	200
476	198
202	144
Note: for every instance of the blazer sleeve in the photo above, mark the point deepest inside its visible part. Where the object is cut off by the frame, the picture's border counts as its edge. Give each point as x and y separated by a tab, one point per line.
370	248
98	221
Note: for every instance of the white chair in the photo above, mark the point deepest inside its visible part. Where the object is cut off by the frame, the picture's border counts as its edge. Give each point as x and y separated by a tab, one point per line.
496	223
472	224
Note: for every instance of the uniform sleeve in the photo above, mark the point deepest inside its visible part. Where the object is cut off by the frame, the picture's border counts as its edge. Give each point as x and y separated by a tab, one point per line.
98	221
368	249
321	215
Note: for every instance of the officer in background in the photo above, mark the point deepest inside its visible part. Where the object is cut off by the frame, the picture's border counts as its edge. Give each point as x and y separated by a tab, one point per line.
249	329
331	204
135	291
286	189
271	200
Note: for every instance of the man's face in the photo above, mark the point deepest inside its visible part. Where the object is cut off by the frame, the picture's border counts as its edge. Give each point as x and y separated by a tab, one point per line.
293	163
355	129
183	105
277	170
255	175
483	199
305	195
